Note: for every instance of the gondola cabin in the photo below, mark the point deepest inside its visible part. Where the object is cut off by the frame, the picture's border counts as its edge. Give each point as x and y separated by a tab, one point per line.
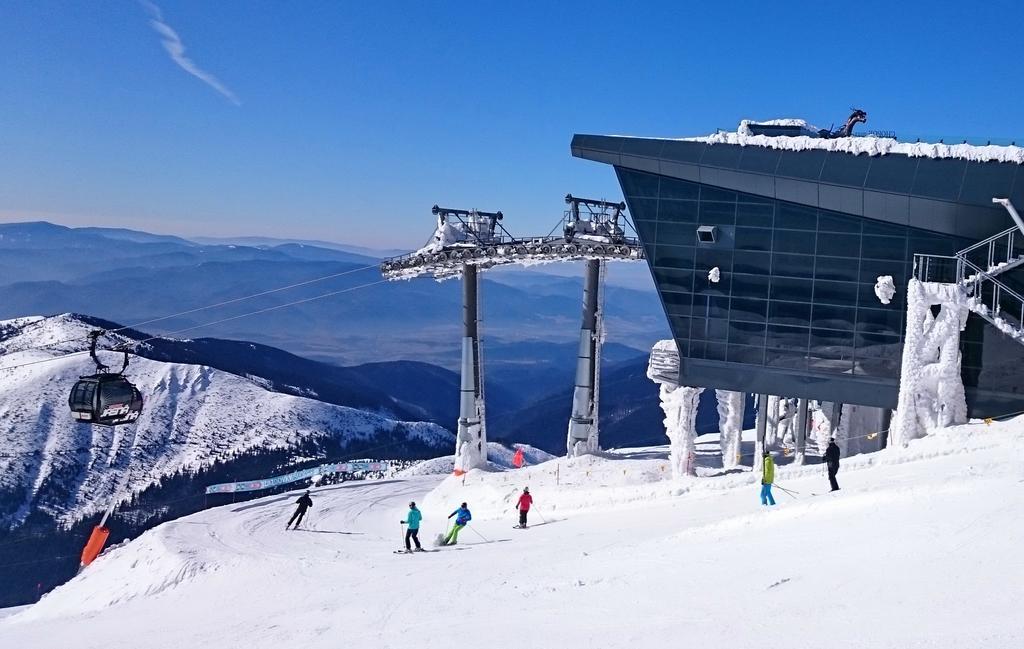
105	399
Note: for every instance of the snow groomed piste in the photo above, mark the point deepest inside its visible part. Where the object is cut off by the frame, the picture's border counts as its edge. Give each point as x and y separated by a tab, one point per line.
468	241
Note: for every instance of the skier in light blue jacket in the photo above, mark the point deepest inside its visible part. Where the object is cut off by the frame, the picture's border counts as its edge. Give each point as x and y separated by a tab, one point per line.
412	519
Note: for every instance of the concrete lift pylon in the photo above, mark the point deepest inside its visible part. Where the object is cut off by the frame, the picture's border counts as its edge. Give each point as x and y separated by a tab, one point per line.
467	241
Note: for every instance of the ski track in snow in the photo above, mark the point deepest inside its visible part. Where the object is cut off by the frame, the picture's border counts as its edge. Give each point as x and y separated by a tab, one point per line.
919	549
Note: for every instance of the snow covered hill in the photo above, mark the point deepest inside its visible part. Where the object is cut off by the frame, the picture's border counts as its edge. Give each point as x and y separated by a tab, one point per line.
194	416
919	549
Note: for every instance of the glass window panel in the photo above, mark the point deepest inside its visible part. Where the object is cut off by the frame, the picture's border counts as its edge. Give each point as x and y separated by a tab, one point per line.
679	189
892	173
832	222
845	169
788	313
871	269
680	326
878	345
833	342
674	280
709	329
711	306
888	248
838	245
678	303
697	348
638	184
794	241
762	216
922	244
715	213
679	234
801	164
749	310
754	263
643	209
795	217
718	195
879	367
753	239
673	257
939	178
836	268
746	333
705	286
759	158
785	359
791	289
678	211
721	155
708	258
787	337
833	317
880	227
746	355
647	230
984	181
840	293
836	363
714	351
879	321
750	286
792	265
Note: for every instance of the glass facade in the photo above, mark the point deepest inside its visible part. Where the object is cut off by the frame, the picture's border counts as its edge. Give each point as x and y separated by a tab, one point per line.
796	285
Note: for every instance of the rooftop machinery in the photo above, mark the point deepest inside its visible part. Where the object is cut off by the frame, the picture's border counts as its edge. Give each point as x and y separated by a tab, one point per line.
467	241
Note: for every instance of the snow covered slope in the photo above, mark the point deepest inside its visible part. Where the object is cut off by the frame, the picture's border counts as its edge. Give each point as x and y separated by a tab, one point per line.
919	549
194	416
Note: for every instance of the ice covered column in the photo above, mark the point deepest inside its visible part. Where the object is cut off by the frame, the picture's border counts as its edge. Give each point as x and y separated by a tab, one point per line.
931	390
471	438
771	434
680	406
730	425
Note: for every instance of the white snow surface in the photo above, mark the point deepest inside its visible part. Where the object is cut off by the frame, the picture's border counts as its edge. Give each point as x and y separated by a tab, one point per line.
714	275
885	289
193	416
919	549
858	145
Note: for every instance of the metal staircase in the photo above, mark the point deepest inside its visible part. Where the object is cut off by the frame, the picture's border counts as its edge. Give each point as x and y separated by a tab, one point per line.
975	270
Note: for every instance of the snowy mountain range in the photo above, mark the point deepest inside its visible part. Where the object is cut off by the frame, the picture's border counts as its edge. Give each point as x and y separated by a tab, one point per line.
194	416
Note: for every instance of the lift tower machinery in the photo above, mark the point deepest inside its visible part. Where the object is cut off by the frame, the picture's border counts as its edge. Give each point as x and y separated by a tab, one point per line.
468	241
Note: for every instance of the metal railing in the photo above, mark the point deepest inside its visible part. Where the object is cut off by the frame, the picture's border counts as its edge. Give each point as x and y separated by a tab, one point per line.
998	253
994	301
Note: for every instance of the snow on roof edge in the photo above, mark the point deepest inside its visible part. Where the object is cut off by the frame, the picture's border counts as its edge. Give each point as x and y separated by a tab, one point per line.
857	145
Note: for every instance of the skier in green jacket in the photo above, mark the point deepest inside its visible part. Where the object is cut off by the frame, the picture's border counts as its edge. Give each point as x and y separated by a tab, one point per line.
413	519
767	478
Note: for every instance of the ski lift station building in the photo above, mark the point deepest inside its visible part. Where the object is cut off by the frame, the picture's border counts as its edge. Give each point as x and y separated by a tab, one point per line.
801	228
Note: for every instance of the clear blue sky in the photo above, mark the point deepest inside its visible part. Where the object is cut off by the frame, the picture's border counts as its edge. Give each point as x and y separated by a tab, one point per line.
348	120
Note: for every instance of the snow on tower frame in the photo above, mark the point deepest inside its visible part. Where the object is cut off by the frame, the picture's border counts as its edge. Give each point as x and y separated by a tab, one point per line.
467	241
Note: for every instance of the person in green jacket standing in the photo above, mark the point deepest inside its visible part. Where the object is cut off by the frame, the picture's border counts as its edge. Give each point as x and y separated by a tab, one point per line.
767	478
412	519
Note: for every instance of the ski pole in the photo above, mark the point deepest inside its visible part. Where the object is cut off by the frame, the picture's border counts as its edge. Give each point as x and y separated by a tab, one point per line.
791	493
478	534
543	520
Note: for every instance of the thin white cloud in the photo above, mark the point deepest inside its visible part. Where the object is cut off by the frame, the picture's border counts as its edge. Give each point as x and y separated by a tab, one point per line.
176	49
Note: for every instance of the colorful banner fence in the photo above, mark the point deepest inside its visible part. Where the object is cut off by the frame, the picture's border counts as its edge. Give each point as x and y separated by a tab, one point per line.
267	483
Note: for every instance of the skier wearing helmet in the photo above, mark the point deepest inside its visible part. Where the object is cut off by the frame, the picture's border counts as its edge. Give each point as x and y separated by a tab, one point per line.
412	519
462	518
523	505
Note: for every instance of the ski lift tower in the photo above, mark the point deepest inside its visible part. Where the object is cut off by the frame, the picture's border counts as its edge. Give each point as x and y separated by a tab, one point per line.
468	241
463	242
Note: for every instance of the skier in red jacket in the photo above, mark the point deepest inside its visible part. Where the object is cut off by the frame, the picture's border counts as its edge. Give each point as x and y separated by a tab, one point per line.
525	500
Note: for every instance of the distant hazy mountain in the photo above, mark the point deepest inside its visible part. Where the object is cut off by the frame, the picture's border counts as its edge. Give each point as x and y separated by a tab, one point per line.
374	253
130	276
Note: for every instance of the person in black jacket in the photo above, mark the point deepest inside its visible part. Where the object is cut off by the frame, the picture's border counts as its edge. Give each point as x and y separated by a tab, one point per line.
304	502
832	460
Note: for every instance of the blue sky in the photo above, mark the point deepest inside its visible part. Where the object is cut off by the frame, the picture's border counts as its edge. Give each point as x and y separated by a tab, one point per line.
352	119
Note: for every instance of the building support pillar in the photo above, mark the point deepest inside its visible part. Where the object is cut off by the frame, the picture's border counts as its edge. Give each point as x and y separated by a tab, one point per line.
801	431
762	428
471	436
583	422
730	426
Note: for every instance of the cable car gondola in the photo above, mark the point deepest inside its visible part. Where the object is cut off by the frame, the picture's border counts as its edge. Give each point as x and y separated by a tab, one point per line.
105	398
